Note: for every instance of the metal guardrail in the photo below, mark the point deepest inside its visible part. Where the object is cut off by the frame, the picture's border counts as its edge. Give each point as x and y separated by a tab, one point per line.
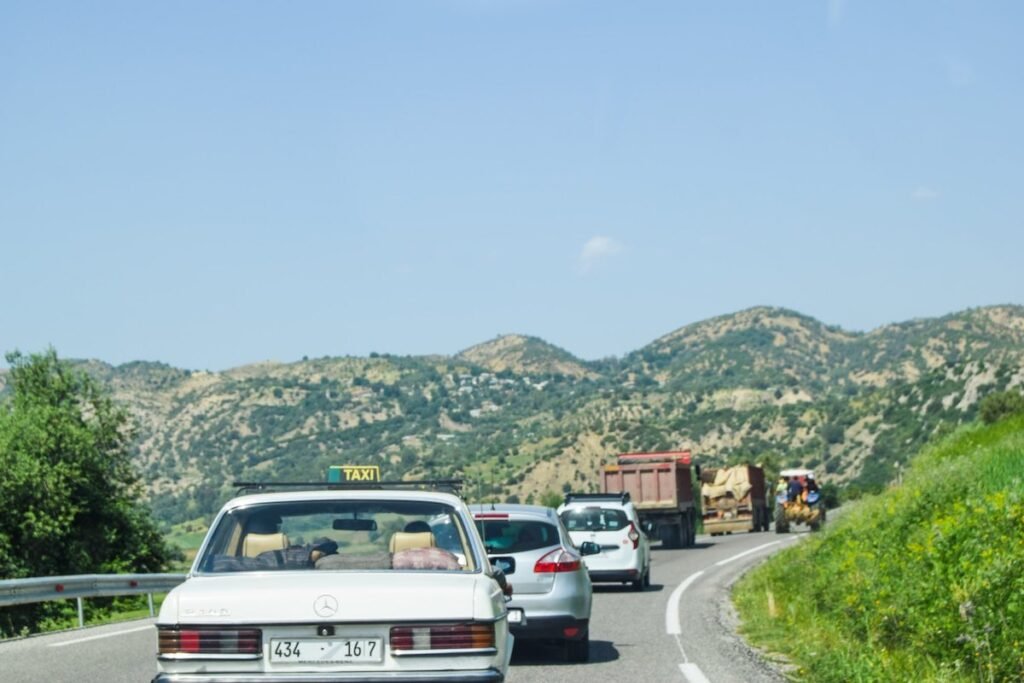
43	589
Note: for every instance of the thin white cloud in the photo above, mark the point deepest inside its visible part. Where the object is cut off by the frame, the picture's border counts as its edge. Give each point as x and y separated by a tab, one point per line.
597	249
836	10
923	193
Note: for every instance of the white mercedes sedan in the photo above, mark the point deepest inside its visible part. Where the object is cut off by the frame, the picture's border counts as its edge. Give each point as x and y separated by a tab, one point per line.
338	585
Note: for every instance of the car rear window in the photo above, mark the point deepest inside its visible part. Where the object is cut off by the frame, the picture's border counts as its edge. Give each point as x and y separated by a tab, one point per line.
595	519
516	536
357	535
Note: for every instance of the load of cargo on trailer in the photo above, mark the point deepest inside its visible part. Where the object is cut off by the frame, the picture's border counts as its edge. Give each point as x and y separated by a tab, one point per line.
734	499
662	487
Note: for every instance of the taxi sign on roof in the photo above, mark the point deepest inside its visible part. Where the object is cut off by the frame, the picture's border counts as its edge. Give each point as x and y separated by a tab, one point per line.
337	474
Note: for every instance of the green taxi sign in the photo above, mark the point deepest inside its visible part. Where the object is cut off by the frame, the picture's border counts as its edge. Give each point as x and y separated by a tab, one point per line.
341	474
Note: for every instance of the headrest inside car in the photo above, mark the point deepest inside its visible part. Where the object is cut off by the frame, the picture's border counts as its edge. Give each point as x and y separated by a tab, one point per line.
401	540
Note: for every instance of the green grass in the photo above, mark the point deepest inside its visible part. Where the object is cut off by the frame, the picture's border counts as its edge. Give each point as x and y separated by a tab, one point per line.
924	582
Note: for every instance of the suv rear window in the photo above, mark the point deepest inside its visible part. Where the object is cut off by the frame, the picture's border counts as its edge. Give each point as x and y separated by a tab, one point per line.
595	519
516	536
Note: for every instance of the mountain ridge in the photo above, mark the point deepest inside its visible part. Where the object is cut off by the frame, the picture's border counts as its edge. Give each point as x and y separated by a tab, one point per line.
517	416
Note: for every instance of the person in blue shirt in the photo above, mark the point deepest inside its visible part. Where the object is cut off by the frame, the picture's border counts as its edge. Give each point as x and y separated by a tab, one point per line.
795	489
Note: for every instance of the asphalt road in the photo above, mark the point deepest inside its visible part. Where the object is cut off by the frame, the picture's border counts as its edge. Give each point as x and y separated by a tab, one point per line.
681	629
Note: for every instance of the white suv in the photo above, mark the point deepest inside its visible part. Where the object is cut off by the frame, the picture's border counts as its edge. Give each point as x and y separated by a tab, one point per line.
611	521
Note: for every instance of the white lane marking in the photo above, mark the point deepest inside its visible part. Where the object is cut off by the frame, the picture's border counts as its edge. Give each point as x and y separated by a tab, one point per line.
692	673
102	635
672	610
745	553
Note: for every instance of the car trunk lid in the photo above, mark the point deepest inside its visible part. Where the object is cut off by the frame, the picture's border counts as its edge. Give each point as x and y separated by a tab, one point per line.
296	597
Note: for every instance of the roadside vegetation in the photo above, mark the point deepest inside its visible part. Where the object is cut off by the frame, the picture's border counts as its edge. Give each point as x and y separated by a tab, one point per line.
924	581
70	494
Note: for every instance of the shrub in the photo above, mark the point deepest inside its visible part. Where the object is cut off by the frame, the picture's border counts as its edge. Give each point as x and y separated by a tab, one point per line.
549	498
995	407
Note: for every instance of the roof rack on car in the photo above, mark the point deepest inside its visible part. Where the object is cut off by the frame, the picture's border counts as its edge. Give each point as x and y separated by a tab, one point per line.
448	485
621	497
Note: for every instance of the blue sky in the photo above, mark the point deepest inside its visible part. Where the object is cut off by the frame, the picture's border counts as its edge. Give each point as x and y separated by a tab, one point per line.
214	184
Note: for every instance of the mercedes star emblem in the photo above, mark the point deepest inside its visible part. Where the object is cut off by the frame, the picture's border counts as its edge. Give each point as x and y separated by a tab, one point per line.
325	606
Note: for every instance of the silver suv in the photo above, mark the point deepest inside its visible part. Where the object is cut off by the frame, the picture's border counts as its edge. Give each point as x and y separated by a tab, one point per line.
610	521
551	592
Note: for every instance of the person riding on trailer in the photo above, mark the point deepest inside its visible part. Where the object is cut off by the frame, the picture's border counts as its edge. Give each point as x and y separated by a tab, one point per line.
795	489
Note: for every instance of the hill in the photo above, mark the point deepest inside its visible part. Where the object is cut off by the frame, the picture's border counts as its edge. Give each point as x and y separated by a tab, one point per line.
516	416
521	355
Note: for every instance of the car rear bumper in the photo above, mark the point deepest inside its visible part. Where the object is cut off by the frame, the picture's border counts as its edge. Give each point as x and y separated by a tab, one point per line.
485	676
556	628
617	575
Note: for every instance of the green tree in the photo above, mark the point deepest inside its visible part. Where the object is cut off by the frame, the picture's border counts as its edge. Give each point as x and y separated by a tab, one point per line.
69	492
995	407
551	499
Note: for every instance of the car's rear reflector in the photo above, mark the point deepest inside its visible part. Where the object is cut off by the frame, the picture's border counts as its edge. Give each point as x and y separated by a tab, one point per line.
558	560
210	641
471	636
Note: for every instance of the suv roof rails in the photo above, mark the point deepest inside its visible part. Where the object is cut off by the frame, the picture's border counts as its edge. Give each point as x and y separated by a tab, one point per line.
621	497
445	485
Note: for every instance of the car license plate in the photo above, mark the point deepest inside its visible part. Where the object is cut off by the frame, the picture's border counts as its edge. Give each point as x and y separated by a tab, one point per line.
515	616
331	651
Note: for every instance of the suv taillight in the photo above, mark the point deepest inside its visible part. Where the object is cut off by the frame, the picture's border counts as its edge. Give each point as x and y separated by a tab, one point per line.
209	641
472	636
558	560
633	535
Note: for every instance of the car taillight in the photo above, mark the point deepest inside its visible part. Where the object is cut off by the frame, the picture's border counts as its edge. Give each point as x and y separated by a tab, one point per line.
210	641
472	636
558	560
633	535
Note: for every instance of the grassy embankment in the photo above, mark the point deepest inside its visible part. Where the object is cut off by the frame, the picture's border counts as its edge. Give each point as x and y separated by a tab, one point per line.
924	582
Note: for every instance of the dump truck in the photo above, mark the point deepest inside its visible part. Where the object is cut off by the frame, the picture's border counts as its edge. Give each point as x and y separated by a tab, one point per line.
664	490
806	507
734	499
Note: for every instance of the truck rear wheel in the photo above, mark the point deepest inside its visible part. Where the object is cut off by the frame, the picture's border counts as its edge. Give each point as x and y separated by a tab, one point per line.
671	535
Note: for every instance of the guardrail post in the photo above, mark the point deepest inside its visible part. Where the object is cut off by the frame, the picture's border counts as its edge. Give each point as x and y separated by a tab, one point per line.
149	597
81	614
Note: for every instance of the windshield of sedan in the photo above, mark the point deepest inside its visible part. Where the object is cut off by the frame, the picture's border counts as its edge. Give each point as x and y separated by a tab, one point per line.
339	535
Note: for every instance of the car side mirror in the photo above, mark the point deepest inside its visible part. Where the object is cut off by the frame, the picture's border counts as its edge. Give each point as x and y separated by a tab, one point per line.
589	548
502	581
